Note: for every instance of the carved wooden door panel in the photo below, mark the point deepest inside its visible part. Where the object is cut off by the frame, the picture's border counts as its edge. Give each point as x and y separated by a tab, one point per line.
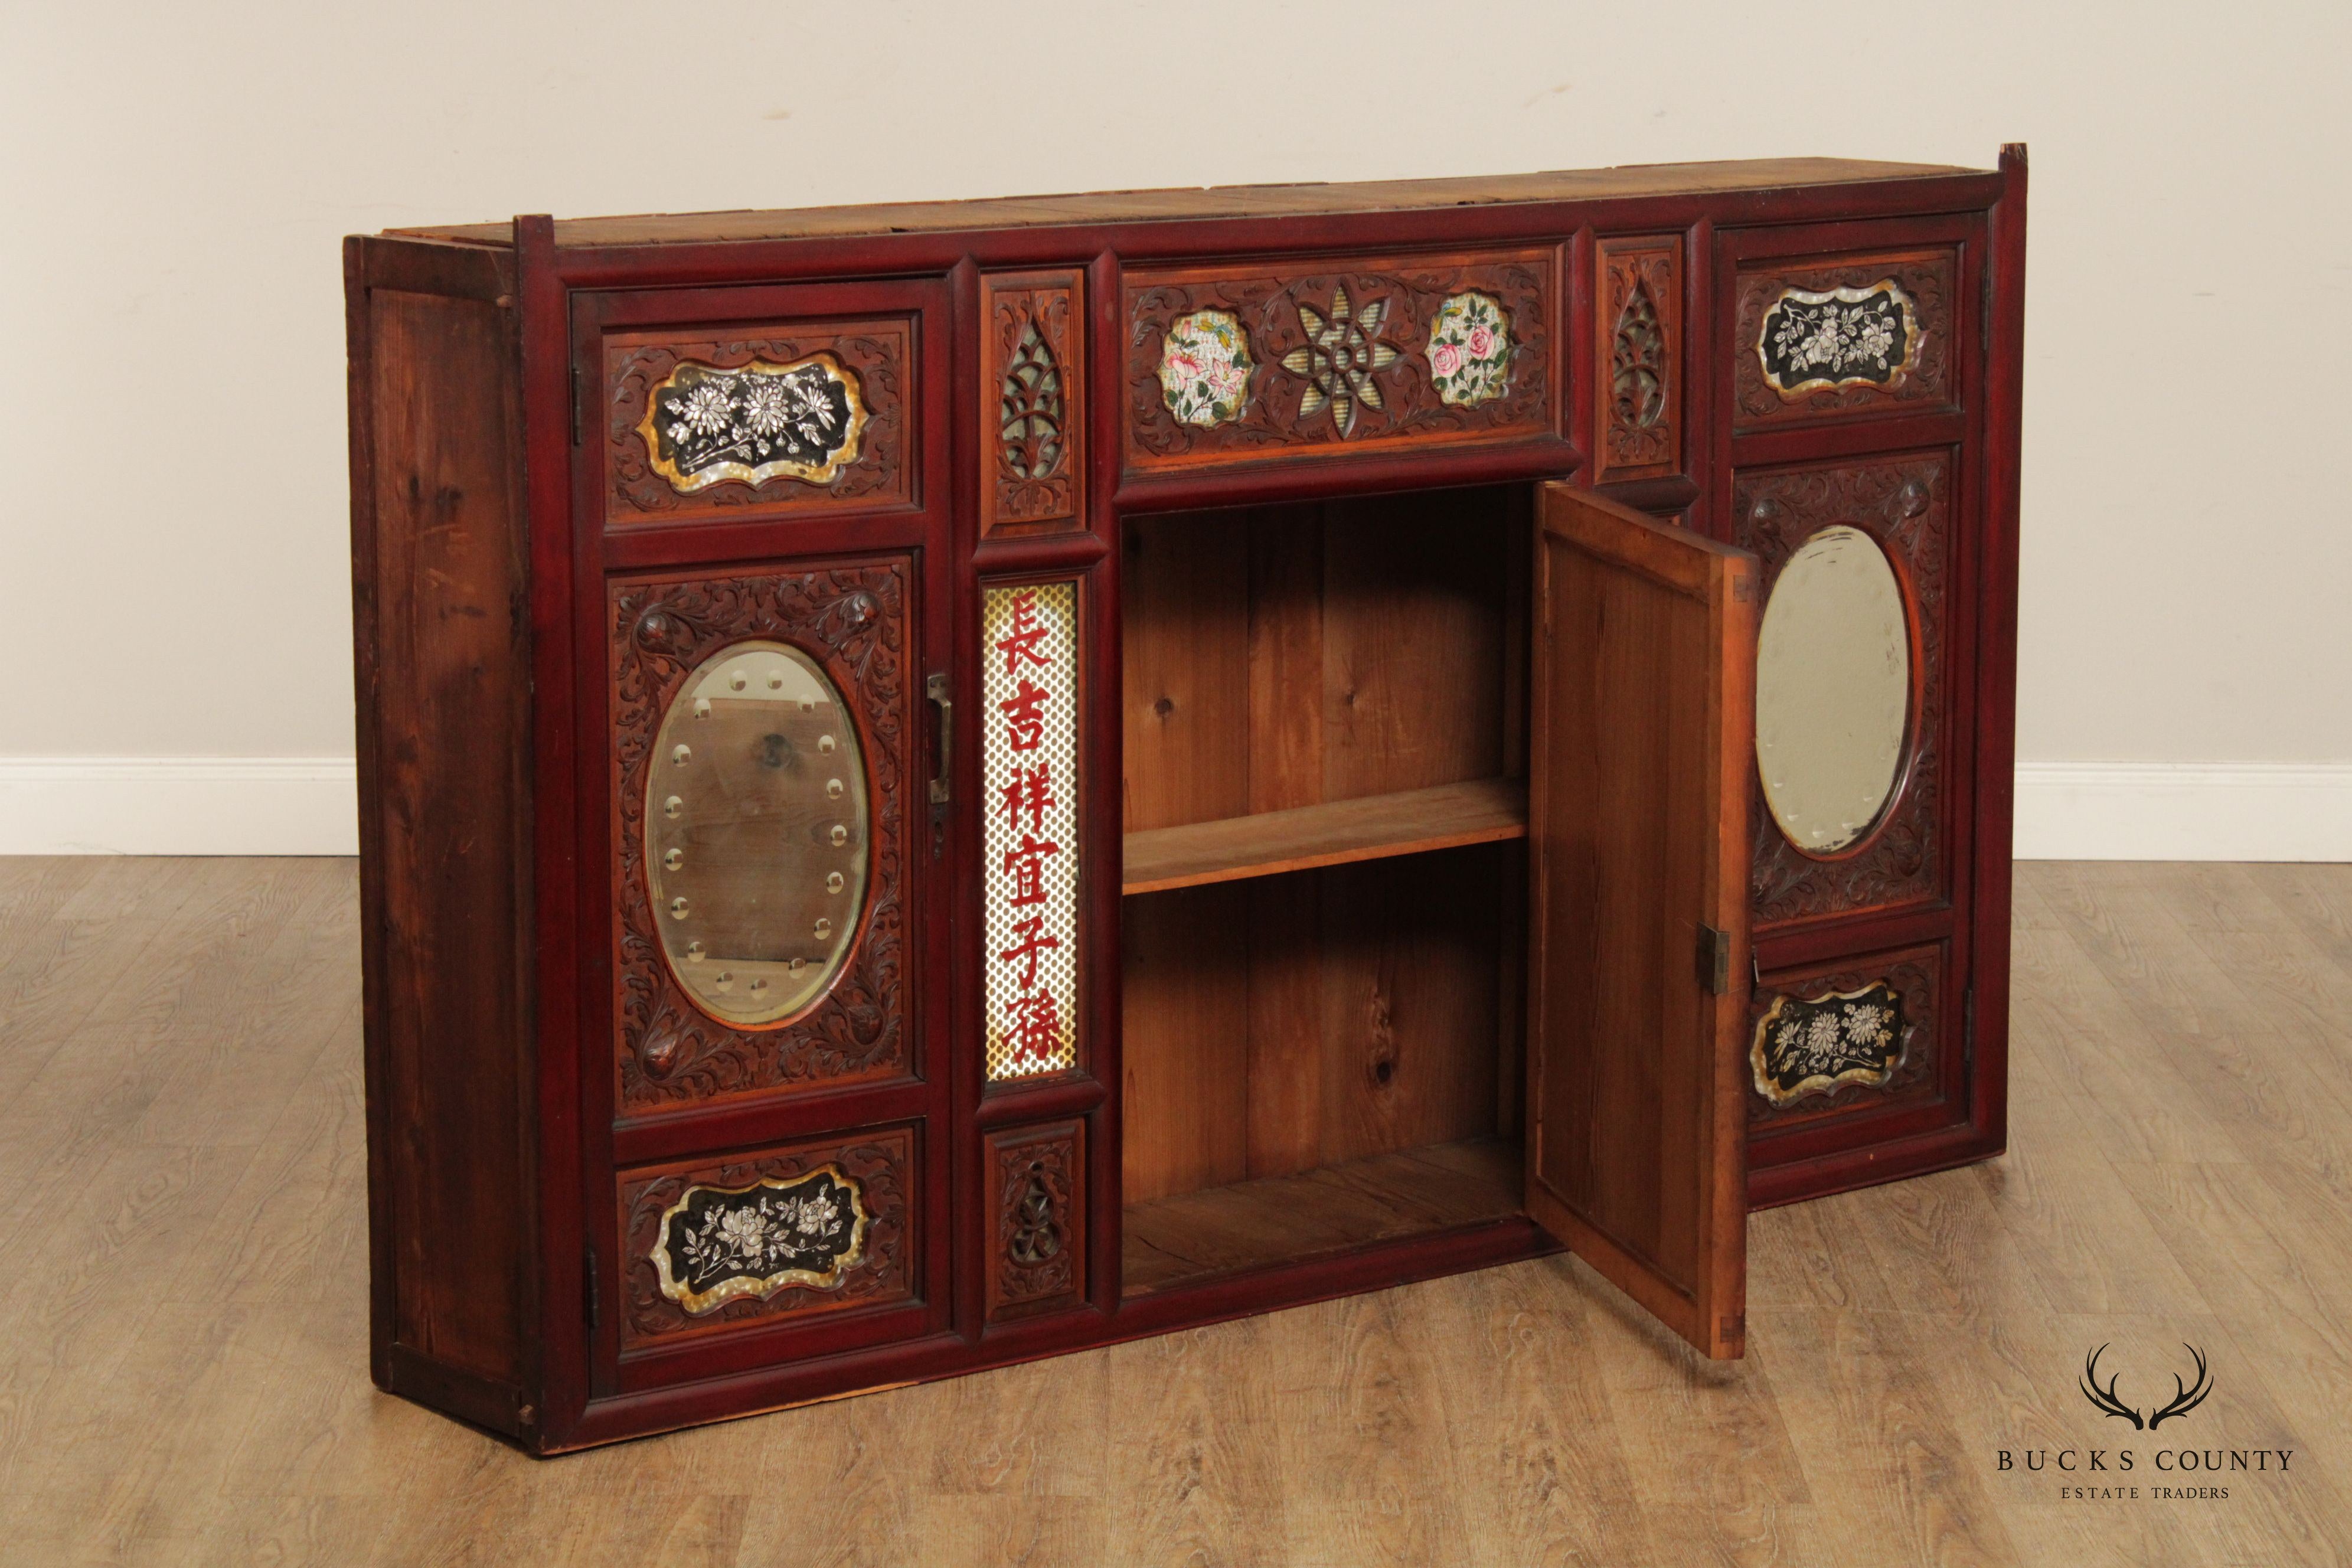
763	602
1638	830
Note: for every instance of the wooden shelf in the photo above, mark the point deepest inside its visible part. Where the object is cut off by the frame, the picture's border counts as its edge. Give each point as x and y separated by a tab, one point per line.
1335	1208
1483	811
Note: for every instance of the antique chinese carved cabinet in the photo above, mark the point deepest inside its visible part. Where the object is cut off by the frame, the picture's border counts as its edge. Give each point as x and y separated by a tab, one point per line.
946	784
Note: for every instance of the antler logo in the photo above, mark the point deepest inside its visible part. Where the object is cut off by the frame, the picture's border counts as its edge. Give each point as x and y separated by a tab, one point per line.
2185	1398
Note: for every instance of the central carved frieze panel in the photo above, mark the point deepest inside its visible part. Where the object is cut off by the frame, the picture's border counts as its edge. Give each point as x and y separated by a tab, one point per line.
1242	364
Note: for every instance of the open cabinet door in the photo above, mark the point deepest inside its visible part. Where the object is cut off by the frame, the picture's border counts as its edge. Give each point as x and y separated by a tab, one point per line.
1644	715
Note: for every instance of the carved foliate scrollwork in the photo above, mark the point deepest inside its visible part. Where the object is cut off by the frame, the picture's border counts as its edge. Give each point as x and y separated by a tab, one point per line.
1903	503
852	619
1037	1261
1791	360
830	1216
1346	355
1033	403
664	459
1639	399
1872	1027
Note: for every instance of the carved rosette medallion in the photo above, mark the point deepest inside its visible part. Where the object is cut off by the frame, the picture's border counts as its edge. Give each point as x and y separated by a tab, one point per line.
1341	359
1204	368
851	622
1816	339
755	423
1811	1046
1470	350
717	1244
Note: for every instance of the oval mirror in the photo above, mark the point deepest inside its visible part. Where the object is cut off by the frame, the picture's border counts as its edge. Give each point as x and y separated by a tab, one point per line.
756	832
1833	689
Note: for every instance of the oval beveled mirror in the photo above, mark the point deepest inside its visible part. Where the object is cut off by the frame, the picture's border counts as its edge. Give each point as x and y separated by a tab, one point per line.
1833	689
756	832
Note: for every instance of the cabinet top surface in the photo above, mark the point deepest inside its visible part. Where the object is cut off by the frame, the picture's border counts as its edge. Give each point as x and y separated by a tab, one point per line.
1632	181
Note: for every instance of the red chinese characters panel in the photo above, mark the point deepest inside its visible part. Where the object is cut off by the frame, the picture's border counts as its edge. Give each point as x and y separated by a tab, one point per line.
1029	693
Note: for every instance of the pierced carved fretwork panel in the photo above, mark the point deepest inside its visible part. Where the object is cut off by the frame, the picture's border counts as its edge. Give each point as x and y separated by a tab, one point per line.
1037	1254
1874	334
813	415
850	620
809	1227
1239	364
1850	1036
1904	504
1638	384
1033	403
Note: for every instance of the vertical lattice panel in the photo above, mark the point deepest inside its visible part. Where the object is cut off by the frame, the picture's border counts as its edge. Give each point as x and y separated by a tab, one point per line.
1029	777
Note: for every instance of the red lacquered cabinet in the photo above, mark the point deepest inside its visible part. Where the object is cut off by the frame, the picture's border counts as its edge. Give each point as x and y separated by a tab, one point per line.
947	784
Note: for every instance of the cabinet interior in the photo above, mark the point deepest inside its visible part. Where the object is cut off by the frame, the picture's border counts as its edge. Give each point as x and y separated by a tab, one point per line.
1323	937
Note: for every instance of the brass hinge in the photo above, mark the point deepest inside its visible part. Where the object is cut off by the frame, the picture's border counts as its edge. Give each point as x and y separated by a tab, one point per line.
575	405
1715	960
588	1289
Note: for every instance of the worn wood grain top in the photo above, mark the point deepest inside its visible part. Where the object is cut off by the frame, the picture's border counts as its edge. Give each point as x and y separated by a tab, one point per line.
184	1308
1209	202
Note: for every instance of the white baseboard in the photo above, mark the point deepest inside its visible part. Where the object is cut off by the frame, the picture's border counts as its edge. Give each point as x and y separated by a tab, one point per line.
179	806
2184	811
304	806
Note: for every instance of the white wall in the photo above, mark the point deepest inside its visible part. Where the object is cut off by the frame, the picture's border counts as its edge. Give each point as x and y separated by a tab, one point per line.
176	178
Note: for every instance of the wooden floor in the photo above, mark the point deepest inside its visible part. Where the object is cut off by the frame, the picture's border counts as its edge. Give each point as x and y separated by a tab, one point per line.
183	1367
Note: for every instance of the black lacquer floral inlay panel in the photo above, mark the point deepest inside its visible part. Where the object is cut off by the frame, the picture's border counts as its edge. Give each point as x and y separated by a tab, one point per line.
760	422
717	1244
1809	1046
1843	337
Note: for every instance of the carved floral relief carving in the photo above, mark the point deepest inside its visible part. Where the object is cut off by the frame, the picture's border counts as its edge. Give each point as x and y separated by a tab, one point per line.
1352	354
810	1228
852	620
1037	1259
816	417
1903	503
1638	401
1874	334
1032	400
1858	1036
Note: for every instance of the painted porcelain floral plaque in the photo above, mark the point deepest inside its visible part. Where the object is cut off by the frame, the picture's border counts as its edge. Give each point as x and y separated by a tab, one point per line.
1469	350
1204	368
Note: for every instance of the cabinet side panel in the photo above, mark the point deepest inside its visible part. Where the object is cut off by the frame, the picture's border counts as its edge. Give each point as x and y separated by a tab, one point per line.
443	676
